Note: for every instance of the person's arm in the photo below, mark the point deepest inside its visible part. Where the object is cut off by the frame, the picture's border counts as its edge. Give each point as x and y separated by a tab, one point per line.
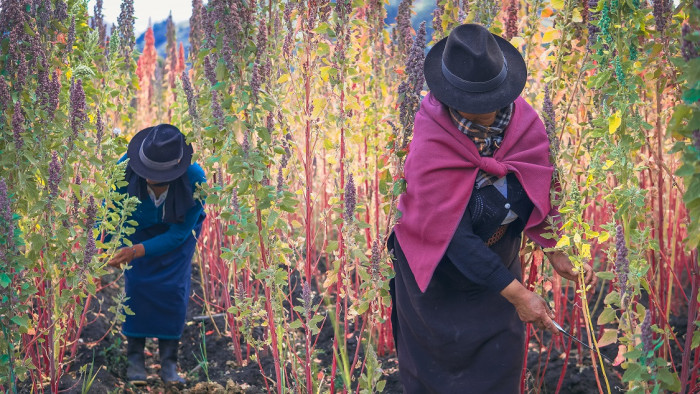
466	248
175	236
178	232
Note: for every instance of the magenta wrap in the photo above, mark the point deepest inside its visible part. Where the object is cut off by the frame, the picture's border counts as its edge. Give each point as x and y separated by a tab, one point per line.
441	168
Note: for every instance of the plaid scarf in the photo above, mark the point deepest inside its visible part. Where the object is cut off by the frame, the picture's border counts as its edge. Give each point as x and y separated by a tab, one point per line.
486	138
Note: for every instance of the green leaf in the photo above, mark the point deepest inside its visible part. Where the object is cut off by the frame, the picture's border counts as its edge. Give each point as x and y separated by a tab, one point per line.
607	275
669	380
607	316
5	280
633	373
609	337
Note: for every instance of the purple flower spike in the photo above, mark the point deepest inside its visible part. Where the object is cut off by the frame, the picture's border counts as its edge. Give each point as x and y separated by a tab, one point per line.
54	92
622	264
54	175
4	95
350	199
71	36
216	111
6	211
78	114
209	70
647	337
90	212
548	111
189	92
375	260
100	129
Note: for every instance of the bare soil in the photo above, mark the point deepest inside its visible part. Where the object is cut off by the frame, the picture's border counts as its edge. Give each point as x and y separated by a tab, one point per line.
105	352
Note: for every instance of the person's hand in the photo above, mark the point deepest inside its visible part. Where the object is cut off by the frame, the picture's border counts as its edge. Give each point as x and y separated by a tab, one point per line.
126	255
531	307
561	263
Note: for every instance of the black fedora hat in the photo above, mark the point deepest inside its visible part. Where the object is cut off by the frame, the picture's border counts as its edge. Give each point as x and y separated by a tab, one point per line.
159	153
475	71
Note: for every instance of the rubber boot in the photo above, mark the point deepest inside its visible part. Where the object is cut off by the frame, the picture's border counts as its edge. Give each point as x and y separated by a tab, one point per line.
168	361
136	368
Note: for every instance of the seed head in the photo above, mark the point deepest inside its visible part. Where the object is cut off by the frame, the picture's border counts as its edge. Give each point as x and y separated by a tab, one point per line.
4	95
61	10
306	299
71	36
622	264
189	92
54	93
245	145
98	21
78	115
548	109
54	175
196	28
126	29
6	212
647	337
100	130
689	49
255	81
403	25
235	205
375	260
90	213
350	199
660	9
209	71
512	22
216	110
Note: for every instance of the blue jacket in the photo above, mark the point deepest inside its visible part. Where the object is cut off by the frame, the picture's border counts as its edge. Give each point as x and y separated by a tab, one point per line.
148	215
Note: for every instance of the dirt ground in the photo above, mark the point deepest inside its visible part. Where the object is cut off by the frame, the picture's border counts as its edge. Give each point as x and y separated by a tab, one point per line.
225	376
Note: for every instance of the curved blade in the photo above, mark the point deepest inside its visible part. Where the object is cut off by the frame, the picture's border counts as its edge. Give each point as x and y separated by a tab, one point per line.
563	331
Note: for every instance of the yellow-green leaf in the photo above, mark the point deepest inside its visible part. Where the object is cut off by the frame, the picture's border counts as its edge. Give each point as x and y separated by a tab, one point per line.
283	78
550	35
557	4
614	122
585	251
609	337
563	241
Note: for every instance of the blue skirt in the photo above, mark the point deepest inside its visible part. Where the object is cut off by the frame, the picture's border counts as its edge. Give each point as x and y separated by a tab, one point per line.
158	289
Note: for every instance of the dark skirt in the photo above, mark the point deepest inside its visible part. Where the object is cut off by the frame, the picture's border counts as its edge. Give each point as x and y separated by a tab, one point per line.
158	290
457	337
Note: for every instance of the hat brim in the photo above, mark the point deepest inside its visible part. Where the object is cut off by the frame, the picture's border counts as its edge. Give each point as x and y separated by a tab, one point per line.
476	103
141	170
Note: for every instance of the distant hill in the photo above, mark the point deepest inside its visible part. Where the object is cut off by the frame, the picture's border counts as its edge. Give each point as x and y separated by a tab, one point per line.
159	29
183	28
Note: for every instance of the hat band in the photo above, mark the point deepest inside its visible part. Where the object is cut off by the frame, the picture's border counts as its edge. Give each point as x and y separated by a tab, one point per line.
475	87
159	165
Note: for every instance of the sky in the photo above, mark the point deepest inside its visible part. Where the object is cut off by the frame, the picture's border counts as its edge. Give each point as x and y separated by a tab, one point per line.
158	10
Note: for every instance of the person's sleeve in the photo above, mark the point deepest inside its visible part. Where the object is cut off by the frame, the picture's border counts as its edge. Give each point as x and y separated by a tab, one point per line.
178	232
476	261
176	235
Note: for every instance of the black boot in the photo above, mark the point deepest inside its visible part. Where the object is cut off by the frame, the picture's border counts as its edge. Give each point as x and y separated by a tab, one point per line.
168	360
136	369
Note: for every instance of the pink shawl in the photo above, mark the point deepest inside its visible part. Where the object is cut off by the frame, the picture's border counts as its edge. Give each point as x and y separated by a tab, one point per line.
440	171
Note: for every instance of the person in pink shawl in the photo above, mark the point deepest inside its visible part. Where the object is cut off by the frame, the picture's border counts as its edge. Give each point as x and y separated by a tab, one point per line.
478	175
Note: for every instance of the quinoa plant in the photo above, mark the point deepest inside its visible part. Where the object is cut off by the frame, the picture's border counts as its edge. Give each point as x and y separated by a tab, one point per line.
58	89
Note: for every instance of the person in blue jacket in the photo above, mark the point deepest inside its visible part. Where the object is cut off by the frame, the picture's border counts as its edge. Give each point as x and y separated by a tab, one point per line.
160	174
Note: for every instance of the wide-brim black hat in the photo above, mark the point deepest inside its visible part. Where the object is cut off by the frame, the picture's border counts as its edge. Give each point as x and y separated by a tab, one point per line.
475	71
159	153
